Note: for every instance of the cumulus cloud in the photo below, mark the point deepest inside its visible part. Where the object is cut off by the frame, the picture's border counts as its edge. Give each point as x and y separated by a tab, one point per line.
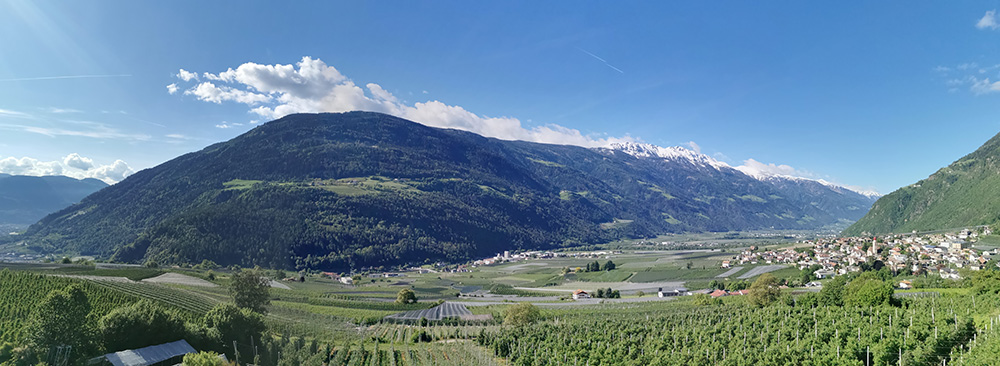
988	21
186	75
73	165
757	169
208	92
312	86
983	86
172	88
74	160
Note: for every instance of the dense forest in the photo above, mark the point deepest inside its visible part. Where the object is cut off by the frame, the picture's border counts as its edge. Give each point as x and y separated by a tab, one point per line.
340	191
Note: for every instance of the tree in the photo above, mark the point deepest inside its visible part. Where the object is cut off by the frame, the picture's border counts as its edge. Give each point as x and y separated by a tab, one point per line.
764	290
715	284
521	314
986	282
600	293
62	318
139	325
406	296
226	323
832	293
251	290
868	290
689	265
640	293
609	265
203	359
704	300
593	266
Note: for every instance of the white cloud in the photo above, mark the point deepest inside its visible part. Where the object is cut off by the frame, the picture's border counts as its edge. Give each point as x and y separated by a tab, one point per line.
187	75
87	129
172	88
694	146
967	66
757	169
312	86
225	124
10	113
63	110
989	20
209	92
983	86
74	160
73	165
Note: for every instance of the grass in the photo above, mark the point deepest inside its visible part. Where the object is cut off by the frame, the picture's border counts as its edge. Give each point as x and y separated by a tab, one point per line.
240	184
601	276
676	275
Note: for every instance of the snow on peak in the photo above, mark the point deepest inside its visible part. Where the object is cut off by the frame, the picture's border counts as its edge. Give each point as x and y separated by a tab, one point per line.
765	177
668	153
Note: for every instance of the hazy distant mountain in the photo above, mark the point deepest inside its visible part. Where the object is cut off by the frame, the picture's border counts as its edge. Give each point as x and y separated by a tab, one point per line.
25	199
357	189
965	193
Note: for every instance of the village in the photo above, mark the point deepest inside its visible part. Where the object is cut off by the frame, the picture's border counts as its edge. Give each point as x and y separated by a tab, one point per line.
936	254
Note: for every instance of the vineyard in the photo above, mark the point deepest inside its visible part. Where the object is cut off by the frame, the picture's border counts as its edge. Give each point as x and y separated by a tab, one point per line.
446	354
926	332
197	305
21	291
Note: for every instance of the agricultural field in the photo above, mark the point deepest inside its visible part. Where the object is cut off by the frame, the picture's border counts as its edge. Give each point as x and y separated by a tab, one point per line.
322	320
925	332
21	291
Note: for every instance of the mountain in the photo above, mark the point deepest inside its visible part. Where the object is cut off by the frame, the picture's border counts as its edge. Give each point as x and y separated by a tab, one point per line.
339	191
26	199
965	193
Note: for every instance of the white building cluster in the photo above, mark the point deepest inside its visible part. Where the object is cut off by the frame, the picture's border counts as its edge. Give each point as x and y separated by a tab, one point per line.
939	254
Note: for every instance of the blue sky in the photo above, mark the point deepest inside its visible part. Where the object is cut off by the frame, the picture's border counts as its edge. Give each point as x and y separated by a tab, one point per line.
874	95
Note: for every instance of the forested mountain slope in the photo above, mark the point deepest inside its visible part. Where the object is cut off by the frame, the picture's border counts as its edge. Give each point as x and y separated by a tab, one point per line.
965	193
336	191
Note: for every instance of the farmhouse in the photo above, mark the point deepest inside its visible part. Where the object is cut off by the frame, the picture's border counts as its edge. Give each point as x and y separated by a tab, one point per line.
580	294
674	292
718	293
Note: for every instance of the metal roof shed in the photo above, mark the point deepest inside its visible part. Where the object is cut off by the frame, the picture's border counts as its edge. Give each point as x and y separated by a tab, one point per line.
150	355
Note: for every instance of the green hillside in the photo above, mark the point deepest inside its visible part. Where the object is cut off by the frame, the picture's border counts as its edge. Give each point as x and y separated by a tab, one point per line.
350	190
965	193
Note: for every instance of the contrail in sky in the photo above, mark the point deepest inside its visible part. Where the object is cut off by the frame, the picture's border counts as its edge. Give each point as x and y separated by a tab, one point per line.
601	59
68	77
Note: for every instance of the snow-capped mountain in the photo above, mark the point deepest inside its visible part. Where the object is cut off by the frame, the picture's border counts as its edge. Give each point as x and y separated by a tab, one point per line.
678	153
698	169
641	150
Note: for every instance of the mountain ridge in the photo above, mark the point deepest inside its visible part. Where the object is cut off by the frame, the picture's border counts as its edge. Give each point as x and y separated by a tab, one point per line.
338	191
964	193
26	199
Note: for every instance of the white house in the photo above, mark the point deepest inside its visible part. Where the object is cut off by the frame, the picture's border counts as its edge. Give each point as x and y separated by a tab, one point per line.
580	294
